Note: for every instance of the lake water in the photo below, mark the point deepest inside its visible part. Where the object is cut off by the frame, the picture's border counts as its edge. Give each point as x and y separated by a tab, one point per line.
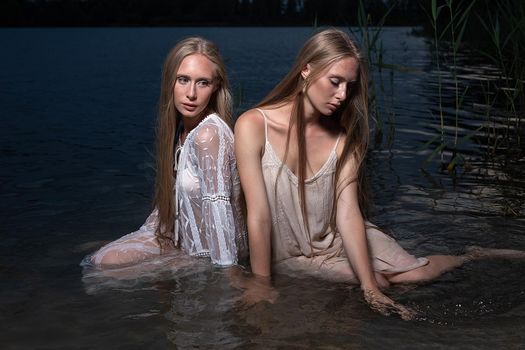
78	108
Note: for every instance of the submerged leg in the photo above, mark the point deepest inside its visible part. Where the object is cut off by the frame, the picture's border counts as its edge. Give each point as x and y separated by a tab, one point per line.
477	253
128	250
437	265
381	281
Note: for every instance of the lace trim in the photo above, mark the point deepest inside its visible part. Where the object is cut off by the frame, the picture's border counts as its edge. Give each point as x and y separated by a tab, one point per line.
202	255
215	198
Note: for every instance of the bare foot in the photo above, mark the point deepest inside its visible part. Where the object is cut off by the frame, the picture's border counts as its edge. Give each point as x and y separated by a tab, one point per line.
477	253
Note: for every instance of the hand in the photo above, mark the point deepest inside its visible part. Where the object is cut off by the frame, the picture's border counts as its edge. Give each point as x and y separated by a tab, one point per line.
255	294
256	288
386	306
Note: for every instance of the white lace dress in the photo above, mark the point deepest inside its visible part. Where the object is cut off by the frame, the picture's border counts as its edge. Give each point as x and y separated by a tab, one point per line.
208	220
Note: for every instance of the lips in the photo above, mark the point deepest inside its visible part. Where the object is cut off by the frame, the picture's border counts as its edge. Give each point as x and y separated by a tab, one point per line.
190	107
333	106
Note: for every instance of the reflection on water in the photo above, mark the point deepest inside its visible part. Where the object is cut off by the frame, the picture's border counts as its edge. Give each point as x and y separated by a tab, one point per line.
78	110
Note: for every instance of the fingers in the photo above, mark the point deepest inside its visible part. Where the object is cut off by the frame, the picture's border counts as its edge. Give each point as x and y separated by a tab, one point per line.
386	306
251	297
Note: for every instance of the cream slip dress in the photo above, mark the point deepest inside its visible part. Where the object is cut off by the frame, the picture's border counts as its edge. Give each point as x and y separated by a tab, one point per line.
318	252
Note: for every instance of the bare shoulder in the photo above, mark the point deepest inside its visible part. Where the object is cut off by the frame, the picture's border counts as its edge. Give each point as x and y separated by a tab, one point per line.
341	145
252	119
352	164
250	125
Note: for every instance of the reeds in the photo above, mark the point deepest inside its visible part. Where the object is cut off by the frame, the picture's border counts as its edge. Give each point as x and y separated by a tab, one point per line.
502	127
506	53
458	15
369	35
505	28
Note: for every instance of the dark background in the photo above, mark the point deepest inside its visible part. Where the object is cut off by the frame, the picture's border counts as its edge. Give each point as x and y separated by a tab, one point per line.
206	12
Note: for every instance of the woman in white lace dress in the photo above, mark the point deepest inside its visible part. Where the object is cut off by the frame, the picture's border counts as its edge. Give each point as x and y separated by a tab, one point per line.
197	199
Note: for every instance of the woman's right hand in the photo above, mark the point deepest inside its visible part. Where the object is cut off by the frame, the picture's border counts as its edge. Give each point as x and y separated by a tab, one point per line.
386	306
255	288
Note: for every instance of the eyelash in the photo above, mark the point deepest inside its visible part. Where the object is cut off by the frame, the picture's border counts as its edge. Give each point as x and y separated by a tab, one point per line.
336	83
203	83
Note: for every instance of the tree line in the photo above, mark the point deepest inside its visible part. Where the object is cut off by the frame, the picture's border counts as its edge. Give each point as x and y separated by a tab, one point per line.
202	12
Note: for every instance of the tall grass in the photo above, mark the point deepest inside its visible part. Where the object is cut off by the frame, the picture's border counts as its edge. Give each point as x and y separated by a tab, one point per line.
368	33
458	14
505	28
451	21
504	24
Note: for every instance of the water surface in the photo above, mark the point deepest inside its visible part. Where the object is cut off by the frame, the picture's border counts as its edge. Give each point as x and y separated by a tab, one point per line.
78	108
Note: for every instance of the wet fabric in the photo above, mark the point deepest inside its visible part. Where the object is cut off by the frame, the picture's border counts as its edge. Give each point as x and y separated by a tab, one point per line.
319	250
208	219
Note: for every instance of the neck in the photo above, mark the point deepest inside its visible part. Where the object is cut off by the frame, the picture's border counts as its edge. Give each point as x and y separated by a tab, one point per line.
311	115
190	123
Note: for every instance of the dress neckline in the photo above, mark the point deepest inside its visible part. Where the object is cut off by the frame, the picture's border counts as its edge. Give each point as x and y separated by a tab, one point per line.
179	146
196	127
322	170
291	174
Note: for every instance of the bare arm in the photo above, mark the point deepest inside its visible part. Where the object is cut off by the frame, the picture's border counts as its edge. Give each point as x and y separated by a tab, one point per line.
249	147
351	226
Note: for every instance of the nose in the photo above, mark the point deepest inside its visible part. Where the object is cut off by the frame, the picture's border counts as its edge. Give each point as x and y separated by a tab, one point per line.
341	92
191	93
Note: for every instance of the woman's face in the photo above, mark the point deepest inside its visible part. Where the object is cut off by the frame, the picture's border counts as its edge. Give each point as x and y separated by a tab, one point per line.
329	90
194	86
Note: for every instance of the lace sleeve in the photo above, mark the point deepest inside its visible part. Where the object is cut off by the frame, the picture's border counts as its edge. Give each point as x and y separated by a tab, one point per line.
214	150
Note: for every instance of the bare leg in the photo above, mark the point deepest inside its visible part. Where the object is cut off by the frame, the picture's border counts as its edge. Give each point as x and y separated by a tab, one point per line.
478	253
439	264
381	281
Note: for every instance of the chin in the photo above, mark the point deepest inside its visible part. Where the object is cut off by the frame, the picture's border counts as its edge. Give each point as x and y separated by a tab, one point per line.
190	115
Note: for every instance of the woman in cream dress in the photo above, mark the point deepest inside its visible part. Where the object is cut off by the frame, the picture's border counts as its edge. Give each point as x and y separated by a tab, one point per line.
301	155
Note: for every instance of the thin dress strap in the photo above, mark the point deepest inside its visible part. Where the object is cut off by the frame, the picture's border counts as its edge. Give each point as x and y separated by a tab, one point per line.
337	142
265	124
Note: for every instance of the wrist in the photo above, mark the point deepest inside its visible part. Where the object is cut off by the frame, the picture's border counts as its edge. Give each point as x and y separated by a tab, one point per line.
372	287
261	280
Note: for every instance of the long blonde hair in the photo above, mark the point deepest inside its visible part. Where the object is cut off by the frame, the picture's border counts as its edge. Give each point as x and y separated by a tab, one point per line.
320	52
169	118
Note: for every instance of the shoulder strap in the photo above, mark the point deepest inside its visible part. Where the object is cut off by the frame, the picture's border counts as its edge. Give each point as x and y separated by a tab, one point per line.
265	124
337	142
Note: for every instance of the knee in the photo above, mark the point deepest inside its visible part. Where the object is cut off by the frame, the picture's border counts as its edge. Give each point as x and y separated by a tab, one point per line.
420	274
381	280
112	259
425	273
